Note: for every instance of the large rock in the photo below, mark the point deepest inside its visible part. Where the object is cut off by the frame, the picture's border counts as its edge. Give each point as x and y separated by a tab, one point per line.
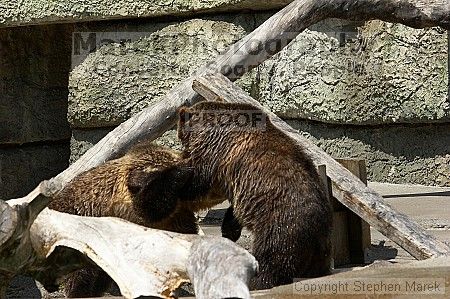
34	72
119	80
82	140
383	75
378	73
394	154
334	73
22	168
15	13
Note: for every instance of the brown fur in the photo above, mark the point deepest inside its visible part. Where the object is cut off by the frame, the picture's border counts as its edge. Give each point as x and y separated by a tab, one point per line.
104	190
126	188
273	186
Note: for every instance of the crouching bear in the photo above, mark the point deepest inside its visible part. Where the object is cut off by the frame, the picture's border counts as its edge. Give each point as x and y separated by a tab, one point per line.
146	186
273	186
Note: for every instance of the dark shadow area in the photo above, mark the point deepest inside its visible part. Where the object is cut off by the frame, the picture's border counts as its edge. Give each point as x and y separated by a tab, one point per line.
23	287
213	217
380	252
409	141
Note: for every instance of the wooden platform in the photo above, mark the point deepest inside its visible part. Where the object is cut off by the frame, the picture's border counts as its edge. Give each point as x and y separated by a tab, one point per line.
421	279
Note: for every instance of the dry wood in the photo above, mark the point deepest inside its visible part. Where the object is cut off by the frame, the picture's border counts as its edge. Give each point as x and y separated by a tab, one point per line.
220	269
346	187
340	237
142	261
358	229
432	270
47	245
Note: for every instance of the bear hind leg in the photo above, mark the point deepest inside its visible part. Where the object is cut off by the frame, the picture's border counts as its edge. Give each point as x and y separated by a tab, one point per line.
87	282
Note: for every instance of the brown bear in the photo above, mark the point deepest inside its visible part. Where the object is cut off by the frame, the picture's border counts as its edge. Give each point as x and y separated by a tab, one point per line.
273	186
146	186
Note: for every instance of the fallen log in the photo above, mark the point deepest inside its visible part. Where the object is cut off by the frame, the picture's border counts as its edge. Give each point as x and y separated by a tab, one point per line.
346	187
227	272
142	261
16	252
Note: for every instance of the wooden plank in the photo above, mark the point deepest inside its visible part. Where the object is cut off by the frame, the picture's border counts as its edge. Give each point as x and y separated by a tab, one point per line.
340	239
322	169
351	234
436	269
355	166
346	187
341	244
358	229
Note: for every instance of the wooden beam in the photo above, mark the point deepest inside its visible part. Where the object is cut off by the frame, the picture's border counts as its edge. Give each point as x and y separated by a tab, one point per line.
436	270
358	229
346	187
340	238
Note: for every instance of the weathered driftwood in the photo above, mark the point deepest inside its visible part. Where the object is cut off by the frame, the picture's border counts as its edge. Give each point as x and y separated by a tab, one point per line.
142	261
346	187
220	269
16	252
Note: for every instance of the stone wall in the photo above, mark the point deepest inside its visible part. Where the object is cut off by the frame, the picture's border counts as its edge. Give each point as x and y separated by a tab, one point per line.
372	90
34	132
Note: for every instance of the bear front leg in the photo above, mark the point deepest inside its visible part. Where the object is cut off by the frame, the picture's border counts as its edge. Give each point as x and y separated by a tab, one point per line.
231	228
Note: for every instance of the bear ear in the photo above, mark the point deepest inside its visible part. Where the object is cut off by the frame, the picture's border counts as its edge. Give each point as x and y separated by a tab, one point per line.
184	114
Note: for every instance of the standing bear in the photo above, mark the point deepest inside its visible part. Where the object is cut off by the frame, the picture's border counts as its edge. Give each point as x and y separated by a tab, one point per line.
273	186
147	186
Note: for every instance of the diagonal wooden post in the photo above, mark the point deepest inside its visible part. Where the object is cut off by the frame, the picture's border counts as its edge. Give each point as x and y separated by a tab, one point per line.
346	187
